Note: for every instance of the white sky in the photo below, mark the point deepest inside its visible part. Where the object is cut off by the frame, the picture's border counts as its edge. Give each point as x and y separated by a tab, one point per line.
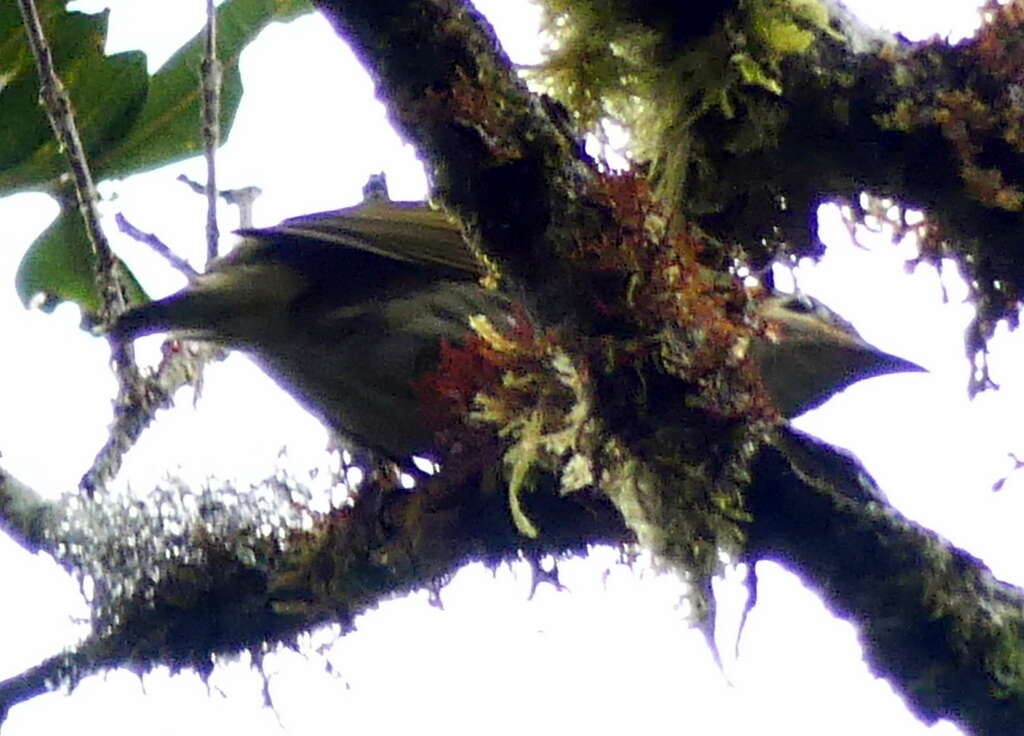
612	655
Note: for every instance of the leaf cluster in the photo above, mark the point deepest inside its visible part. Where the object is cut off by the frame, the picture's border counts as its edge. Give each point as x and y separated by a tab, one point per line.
131	120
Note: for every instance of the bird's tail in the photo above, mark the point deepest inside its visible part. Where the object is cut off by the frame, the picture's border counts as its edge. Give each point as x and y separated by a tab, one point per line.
181	312
224	305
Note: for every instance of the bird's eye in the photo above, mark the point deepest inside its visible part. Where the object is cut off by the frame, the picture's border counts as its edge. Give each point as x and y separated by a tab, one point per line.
800	303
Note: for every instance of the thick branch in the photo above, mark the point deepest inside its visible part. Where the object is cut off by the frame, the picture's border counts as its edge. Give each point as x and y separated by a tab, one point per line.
241	591
933	620
25	516
751	124
497	155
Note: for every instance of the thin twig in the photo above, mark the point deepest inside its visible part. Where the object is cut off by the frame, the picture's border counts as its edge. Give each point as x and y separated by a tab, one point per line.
243	198
159	247
182	364
211	127
59	110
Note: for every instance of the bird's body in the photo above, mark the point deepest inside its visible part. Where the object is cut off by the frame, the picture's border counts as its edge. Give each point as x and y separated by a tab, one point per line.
346	309
292	294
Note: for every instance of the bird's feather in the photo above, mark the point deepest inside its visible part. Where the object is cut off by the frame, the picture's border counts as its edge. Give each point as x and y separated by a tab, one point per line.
412	232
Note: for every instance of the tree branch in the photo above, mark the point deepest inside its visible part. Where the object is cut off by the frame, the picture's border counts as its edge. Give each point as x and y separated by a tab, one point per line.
498	156
62	119
236	590
752	125
212	74
25	516
932	619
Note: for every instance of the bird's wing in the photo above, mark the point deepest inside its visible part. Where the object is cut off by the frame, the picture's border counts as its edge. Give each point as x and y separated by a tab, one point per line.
404	231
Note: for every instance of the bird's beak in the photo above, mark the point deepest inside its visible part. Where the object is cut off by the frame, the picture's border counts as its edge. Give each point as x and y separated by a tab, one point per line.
806	357
862	355
895	364
801	375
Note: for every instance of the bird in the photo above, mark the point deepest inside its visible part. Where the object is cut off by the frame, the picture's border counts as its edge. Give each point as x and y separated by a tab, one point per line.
810	353
345	309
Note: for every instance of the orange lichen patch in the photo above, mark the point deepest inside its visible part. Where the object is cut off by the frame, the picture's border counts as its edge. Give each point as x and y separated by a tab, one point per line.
966	121
665	288
999	45
982	113
527	385
961	112
660	310
521	382
988	187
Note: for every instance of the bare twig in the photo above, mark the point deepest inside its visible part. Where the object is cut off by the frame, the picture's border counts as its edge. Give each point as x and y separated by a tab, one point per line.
193	184
59	110
45	677
182	364
211	127
243	198
62	120
159	247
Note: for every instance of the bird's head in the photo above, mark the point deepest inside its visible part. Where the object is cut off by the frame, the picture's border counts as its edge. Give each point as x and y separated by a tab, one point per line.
809	353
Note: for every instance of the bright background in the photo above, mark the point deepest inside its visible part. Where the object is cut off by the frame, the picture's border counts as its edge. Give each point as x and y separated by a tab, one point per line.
612	654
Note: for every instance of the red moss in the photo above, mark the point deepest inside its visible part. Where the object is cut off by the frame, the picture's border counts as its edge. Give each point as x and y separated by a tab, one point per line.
462	372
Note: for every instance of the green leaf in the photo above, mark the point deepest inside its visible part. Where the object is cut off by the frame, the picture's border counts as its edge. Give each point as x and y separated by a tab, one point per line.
102	117
60	265
107	93
169	127
128	121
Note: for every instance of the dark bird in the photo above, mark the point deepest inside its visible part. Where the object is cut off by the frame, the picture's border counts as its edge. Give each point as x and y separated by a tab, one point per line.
345	309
